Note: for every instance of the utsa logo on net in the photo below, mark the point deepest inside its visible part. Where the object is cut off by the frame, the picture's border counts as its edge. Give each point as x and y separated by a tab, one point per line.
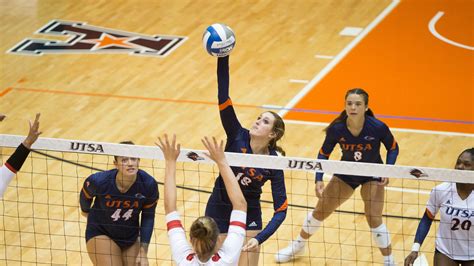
89	39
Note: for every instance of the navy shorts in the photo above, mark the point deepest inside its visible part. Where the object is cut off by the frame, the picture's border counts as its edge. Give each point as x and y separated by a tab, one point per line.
354	180
458	262
220	211
93	230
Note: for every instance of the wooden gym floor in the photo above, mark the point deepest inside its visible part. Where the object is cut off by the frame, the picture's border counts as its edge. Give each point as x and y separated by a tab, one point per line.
289	57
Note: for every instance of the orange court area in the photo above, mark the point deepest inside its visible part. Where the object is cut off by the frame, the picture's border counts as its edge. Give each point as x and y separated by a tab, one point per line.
415	80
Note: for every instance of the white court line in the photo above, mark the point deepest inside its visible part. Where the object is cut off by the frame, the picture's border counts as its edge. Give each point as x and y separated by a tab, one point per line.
408	190
338	58
320	56
351	31
432	28
418	131
270	106
298	81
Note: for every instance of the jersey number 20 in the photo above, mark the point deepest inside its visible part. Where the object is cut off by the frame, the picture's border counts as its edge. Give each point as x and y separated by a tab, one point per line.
466	225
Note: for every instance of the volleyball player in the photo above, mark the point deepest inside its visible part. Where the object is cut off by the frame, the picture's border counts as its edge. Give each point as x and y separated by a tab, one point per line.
359	134
262	138
114	235
16	160
455	203
204	231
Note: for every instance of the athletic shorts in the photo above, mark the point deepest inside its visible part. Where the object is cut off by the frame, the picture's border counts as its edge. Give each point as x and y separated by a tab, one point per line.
93	230
354	180
458	262
220	211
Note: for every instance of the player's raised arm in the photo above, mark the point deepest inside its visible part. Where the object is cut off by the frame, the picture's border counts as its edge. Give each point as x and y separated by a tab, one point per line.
229	119
16	160
216	153
171	151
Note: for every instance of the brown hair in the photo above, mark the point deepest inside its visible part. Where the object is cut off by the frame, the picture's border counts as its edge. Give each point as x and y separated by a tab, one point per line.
204	233
128	142
279	130
470	151
343	114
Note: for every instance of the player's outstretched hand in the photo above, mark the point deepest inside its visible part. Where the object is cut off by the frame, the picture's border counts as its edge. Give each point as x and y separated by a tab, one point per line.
319	188
2	116
410	259
383	181
170	150
34	132
216	150
252	245
142	259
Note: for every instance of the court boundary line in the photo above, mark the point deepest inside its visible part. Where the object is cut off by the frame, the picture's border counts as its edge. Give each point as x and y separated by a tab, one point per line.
432	29
265	106
417	131
338	58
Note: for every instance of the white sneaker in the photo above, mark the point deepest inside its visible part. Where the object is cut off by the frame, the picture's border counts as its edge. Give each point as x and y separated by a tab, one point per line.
288	253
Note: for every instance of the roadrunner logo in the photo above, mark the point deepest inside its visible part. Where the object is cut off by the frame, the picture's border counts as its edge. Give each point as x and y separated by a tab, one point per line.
194	156
418	173
88	39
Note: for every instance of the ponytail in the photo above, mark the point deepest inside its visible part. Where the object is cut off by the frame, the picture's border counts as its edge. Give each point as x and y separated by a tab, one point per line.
204	233
279	130
338	119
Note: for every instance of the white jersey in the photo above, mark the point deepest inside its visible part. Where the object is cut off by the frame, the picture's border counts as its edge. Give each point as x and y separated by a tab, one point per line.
455	236
228	254
6	175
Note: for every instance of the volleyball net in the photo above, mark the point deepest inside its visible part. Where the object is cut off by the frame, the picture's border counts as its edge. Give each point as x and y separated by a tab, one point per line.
41	221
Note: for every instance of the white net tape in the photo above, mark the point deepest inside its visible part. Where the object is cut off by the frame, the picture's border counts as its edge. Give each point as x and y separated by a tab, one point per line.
249	160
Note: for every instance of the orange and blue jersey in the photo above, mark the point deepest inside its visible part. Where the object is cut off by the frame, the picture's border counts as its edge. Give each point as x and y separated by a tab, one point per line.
251	180
362	148
116	214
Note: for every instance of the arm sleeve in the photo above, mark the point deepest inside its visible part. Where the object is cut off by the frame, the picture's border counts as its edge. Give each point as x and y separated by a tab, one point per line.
180	247
423	227
232	246
148	215
328	146
226	110
13	165
88	192
280	205
391	145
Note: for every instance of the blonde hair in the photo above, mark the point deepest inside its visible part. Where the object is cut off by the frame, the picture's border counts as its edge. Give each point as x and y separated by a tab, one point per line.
204	233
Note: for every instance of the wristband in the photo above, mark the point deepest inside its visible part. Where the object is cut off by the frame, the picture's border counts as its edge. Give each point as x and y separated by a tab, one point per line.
415	247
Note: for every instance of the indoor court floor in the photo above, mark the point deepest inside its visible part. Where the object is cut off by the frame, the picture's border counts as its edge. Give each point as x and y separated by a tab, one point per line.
414	57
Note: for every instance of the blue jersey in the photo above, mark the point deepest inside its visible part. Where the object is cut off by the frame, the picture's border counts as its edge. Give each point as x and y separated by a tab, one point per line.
362	148
117	213
250	179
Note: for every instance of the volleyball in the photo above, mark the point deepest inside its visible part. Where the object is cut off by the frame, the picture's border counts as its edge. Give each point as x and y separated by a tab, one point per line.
218	40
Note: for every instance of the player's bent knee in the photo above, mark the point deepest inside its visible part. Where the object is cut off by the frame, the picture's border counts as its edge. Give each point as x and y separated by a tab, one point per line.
381	236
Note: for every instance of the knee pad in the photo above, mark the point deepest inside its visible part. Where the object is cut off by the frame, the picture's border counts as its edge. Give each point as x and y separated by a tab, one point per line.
381	236
311	224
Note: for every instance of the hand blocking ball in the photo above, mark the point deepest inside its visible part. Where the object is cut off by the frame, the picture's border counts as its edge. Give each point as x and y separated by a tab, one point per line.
218	40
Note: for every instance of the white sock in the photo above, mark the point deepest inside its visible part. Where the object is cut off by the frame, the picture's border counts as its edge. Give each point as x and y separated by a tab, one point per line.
389	260
299	241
